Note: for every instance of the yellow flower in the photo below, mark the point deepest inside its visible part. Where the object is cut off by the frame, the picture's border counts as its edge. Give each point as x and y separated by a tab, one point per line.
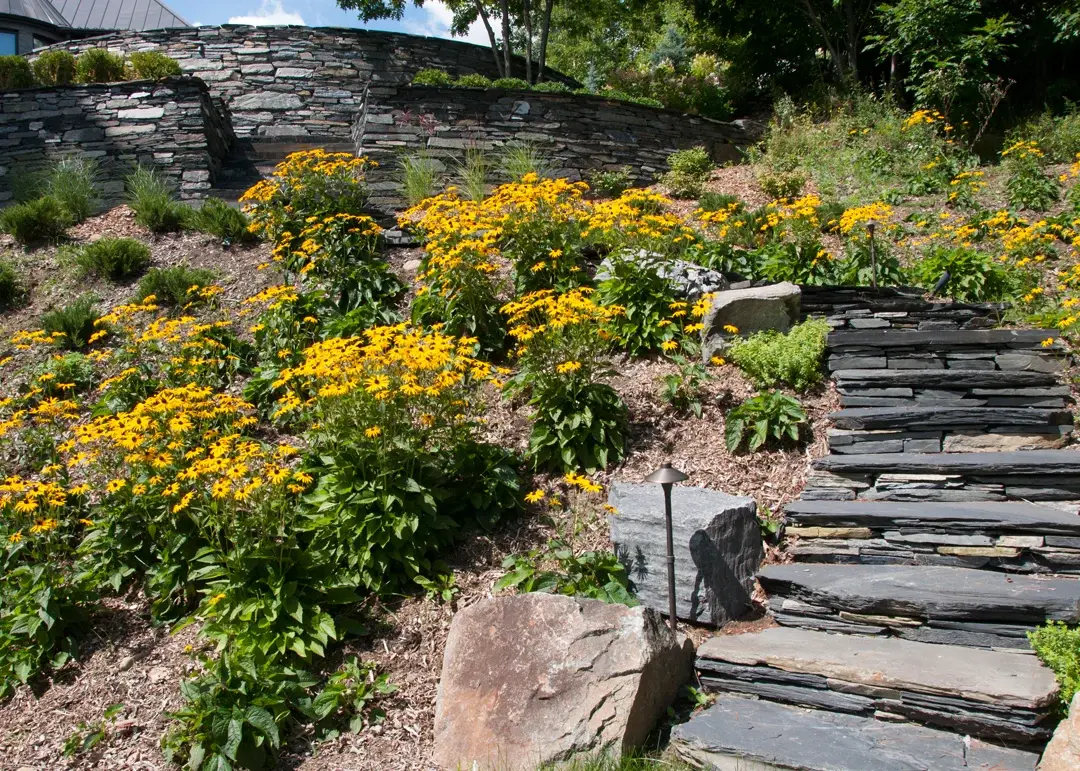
184	503
669	345
567	367
535	496
15	537
44	525
86	522
115	485
1047	342
215	599
718	361
373	432
610	509
731	329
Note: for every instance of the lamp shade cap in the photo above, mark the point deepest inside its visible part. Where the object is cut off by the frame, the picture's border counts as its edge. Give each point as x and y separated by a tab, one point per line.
666	475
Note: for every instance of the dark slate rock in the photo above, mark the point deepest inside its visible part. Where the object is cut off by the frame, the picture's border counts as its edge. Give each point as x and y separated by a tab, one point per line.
856	362
1014	518
927	417
987	465
952	594
736	733
945	378
936	341
818	698
718	549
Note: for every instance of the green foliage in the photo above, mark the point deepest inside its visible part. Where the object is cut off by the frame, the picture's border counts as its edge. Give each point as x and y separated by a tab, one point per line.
223	221
716	201
612	182
115	258
12	289
519	158
432	77
153	65
770	358
54	68
43	219
76	321
635	285
780	185
96	65
974	276
62	376
551	87
683	388
473	80
176	285
857	268
1028	186
1058	646
582	426
689	170
88	735
471	175
15	73
767	417
559	569
73	181
802	262
347	698
1057	135
515	84
419	176
151	198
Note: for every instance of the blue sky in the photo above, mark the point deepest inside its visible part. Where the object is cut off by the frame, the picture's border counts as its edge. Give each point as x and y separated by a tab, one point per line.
433	19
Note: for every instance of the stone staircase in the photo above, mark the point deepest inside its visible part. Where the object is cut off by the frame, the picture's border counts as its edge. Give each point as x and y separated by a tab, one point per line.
940	530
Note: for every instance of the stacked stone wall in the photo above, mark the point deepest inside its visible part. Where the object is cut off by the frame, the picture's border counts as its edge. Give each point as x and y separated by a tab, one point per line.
172	125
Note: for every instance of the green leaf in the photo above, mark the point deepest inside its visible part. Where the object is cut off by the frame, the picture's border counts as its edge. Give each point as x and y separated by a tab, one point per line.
264	722
235	736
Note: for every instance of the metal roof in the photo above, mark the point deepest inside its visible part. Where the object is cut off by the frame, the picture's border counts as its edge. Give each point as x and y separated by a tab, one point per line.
39	10
114	14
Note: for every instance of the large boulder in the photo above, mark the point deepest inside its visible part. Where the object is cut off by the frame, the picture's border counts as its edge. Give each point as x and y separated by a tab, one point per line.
538	678
749	310
687	279
718	549
1063	751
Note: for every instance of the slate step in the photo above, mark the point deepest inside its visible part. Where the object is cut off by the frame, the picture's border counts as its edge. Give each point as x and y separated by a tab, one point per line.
995	695
946	417
1015	537
945	605
950	379
1033	475
738	733
938	340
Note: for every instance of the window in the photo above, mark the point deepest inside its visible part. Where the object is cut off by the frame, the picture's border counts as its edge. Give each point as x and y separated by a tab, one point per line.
9	42
41	42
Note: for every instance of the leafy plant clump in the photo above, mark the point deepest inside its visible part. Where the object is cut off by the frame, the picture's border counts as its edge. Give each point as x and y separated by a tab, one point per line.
781	185
15	72
612	182
1058	645
767	417
33	222
551	87
521	158
98	65
689	171
176	285
794	359
513	84
54	68
432	77
223	221
419	174
973	276
75	323
115	258
1028	186
153	65
73	181
151	198
473	80
636	286
12	289
558	569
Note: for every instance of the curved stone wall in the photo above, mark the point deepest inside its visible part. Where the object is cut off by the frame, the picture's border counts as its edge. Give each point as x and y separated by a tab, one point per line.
298	84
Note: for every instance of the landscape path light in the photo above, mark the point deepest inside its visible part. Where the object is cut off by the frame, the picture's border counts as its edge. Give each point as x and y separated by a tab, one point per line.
873	254
666	476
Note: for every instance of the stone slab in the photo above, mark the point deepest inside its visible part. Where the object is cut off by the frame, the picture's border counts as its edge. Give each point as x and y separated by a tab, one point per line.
1046	463
927	417
1004	517
752	735
943	378
934	340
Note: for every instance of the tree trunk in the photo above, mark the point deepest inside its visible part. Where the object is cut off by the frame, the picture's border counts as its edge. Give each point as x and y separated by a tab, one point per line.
544	28
830	46
504	8
526	10
491	37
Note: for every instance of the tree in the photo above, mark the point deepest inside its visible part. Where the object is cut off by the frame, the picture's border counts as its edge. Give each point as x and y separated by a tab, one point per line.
516	19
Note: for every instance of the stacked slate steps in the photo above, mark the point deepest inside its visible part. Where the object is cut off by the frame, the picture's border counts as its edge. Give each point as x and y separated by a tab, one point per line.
994	695
928	604
848	307
948	391
748	735
1034	475
1009	536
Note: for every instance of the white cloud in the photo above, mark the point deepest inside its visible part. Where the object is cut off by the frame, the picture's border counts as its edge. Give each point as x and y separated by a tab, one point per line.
435	20
270	13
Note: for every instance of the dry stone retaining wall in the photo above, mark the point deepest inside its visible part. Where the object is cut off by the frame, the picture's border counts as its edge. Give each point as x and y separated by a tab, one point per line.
299	83
172	125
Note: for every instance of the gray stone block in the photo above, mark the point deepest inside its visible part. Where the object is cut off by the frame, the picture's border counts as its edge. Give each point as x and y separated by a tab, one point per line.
718	549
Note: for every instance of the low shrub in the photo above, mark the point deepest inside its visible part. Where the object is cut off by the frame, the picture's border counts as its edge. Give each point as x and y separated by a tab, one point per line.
1028	186
223	221
473	80
516	84
15	72
551	87
1057	135
96	65
61	376
1058	646
688	172
419	176
637	287
612	182
768	417
974	276
73	181
770	358
114	258
76	321
151	198
153	65
12	291
780	185
432	77
177	285
43	219
597	575
54	68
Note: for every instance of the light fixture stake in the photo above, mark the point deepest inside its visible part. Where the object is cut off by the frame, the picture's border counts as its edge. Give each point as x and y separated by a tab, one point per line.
666	476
